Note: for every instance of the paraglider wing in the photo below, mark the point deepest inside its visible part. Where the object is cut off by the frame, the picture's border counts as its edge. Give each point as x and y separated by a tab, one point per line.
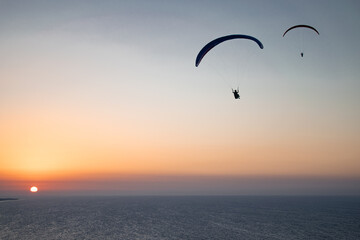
219	40
301	26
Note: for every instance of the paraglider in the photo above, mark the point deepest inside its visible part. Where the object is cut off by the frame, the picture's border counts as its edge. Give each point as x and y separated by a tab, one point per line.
236	93
301	26
219	40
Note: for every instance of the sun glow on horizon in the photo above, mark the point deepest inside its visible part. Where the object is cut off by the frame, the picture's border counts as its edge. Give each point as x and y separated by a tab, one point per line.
33	189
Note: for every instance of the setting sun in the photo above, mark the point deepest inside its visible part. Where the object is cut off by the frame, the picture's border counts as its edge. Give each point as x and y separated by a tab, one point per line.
33	189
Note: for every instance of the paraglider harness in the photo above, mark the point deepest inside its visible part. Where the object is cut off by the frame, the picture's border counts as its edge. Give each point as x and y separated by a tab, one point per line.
236	93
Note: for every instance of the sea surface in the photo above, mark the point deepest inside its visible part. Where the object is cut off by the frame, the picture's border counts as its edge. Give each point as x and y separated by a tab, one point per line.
181	217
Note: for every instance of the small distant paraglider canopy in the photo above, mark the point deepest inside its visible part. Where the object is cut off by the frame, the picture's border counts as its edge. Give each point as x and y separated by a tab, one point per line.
301	26
219	40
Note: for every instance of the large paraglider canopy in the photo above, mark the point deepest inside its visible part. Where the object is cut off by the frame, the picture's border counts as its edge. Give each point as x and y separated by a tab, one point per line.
301	26
219	40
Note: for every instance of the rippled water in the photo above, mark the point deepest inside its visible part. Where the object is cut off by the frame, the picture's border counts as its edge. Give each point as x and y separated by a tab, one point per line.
205	217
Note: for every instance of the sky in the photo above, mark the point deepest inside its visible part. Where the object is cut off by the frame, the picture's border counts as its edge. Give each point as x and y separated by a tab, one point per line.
103	97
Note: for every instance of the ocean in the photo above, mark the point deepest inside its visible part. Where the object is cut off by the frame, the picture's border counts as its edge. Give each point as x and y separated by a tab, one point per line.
181	217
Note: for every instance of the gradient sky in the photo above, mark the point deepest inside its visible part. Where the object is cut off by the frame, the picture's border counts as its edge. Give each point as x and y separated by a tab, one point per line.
103	96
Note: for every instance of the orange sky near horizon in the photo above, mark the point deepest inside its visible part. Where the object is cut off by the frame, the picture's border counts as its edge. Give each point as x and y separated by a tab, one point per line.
47	144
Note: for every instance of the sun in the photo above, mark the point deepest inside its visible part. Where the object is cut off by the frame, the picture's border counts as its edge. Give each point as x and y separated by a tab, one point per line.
33	189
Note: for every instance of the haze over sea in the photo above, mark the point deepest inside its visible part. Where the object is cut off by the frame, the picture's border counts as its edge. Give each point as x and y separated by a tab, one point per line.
181	217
